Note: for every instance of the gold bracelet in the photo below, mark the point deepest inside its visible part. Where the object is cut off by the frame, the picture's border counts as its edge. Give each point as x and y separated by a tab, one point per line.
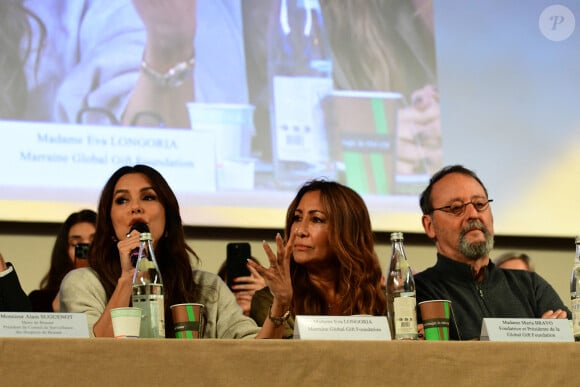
173	77
277	321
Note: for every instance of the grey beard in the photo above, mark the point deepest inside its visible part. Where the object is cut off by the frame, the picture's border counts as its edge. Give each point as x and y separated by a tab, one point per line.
474	251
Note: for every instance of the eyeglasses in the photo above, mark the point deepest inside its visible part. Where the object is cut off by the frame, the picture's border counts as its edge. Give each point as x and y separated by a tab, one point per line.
458	208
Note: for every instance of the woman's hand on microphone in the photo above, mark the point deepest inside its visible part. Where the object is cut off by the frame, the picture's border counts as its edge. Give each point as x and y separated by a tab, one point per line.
126	246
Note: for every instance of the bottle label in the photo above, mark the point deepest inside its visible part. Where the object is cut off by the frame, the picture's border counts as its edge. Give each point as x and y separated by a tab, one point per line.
576	316
160	318
299	128
153	315
405	315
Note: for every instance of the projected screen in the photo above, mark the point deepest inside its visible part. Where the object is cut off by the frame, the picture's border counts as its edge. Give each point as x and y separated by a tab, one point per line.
238	103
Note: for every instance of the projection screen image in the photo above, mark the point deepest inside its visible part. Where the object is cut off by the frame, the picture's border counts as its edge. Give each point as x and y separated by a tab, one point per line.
238	103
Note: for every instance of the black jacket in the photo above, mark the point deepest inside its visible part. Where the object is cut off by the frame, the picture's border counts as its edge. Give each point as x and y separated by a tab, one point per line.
12	297
502	293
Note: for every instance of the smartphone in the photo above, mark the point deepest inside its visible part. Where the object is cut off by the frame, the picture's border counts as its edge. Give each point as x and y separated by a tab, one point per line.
82	250
236	261
81	255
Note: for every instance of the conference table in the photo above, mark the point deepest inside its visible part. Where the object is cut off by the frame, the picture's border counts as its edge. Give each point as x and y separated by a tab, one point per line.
210	362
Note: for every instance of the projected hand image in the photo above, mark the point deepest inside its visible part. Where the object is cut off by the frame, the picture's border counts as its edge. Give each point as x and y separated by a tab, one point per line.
239	102
419	134
74	70
165	82
128	62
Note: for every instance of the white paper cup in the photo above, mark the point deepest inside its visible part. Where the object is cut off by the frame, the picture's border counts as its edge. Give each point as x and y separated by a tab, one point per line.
126	322
233	125
236	175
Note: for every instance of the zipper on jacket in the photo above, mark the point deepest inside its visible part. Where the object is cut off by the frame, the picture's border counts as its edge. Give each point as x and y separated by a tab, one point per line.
482	298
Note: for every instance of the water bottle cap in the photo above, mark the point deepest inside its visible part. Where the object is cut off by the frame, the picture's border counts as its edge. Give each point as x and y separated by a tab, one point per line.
396	236
145	236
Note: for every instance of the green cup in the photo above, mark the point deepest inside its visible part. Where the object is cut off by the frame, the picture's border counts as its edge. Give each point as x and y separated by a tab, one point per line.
188	320
436	315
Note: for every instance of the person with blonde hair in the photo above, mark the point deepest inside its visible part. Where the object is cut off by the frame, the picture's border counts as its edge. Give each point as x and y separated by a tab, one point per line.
514	261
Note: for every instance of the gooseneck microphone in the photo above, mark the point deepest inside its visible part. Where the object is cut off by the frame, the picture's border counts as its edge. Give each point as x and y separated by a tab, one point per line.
141	227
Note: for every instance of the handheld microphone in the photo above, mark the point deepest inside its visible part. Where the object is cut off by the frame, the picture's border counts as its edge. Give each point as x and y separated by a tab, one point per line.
141	227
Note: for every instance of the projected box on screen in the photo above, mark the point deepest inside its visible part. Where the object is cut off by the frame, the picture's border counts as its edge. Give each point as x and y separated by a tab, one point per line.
361	131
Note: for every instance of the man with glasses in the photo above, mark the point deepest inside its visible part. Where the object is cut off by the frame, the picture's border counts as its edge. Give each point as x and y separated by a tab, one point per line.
457	217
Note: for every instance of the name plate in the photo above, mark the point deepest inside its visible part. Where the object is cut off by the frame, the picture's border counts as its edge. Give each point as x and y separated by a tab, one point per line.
341	328
30	324
526	329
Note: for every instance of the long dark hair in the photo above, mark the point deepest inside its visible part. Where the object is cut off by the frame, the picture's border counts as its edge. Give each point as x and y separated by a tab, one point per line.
379	45
60	262
172	252
16	46
352	244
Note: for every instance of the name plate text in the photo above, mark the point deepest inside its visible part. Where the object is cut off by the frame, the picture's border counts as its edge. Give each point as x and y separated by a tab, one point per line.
31	324
341	328
526	329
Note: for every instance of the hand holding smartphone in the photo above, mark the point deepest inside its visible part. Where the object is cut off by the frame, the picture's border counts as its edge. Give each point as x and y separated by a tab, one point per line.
236	261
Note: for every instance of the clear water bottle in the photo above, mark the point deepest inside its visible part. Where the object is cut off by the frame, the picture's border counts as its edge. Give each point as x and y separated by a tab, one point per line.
148	290
575	292
401	296
300	69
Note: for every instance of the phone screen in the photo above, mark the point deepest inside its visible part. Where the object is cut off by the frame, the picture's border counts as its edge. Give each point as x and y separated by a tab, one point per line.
236	261
82	250
81	255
